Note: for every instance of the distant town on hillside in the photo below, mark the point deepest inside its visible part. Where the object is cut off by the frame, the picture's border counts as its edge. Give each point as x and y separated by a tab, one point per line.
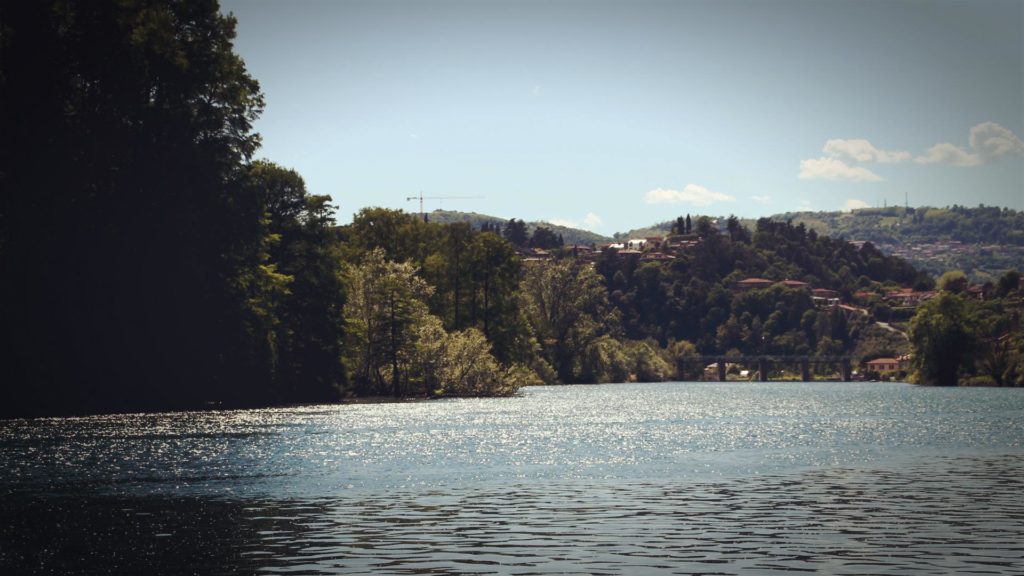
984	242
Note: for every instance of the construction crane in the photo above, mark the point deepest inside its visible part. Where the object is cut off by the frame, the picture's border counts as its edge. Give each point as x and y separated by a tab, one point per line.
421	198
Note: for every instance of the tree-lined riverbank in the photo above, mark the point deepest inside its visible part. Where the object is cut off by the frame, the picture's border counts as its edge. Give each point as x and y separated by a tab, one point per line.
151	262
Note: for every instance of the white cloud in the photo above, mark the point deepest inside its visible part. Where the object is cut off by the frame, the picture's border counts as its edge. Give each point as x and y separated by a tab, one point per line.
843	154
761	199
946	153
991	141
563	222
590	221
854	204
860	150
835	169
988	141
691	194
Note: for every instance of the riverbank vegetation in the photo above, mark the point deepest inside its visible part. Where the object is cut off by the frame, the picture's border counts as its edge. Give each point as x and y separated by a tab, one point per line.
151	263
960	338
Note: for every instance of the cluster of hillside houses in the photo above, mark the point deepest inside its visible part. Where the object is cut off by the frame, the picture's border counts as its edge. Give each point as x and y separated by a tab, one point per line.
657	249
660	249
654	248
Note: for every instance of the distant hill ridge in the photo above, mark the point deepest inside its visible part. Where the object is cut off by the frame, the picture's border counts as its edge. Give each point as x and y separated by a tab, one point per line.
984	242
569	235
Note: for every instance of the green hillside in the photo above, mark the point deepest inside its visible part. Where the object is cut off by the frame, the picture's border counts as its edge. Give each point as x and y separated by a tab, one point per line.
659	229
984	241
569	235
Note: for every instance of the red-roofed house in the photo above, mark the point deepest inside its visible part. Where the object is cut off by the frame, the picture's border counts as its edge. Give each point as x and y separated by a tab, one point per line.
884	365
754	283
908	297
656	257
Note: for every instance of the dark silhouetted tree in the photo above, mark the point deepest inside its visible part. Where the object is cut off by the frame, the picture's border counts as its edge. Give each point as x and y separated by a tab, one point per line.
515	232
944	340
543	237
123	218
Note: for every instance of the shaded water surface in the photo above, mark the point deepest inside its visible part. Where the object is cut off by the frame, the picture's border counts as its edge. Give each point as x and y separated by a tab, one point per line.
665	479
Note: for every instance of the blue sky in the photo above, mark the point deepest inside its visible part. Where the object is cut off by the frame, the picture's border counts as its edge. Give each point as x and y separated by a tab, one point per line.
615	115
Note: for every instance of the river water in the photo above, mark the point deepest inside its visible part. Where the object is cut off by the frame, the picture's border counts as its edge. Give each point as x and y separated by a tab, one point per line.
676	478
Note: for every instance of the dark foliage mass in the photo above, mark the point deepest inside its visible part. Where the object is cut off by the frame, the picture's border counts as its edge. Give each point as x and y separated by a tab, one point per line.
961	339
136	237
149	263
692	297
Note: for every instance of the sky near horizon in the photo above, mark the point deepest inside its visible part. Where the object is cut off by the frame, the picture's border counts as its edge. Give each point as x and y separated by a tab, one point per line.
611	115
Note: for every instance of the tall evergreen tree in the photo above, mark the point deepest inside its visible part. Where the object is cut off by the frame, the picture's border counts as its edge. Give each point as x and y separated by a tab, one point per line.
515	232
125	125
944	340
308	328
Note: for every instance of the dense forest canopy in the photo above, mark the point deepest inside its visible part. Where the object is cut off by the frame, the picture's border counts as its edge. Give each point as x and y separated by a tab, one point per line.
692	297
131	248
151	263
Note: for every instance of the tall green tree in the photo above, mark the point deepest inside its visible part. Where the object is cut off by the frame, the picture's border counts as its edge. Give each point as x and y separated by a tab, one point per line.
1008	283
125	126
679	226
954	281
402	236
944	340
308	327
515	232
458	272
737	232
384	313
496	272
568	309
543	237
397	348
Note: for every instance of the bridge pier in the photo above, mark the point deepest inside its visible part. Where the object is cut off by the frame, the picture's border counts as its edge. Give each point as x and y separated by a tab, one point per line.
846	371
762	368
805	370
721	370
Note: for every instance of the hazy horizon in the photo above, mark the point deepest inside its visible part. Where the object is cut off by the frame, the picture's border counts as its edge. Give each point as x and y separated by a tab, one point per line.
668	219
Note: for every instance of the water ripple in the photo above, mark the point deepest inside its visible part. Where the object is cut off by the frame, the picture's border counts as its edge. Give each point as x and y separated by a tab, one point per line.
948	515
680	478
